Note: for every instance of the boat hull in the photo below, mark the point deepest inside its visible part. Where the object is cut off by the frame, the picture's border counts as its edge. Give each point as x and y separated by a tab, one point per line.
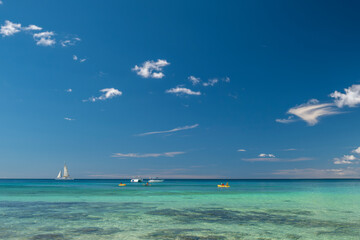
64	179
155	181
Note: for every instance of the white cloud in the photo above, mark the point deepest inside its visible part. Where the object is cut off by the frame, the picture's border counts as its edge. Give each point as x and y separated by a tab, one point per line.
146	155
44	38
226	79
107	94
75	58
274	159
311	111
241	150
350	98
69	90
194	80
151	69
346	159
290	119
170	131
266	155
1	2
182	90
10	28
69	119
318	173
70	42
32	28
357	150
211	82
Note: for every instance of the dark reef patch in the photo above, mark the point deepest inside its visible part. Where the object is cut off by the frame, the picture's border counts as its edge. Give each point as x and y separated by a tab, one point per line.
183	234
294	218
95	231
52	236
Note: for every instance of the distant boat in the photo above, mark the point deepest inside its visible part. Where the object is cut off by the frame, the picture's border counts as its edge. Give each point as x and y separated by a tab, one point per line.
155	180
139	179
65	176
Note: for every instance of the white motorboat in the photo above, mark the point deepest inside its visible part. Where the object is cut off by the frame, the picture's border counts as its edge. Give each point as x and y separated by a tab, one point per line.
155	180
136	180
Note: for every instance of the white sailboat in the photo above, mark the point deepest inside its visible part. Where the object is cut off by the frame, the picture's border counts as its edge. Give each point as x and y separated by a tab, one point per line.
65	176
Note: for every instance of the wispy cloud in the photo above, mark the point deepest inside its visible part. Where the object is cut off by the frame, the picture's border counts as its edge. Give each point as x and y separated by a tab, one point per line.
146	155
194	80
169	131
290	149
10	28
44	38
107	94
211	82
241	150
318	173
270	155
357	150
348	159
290	119
275	159
32	28
69	90
182	91
1	2
70	42
76	58
311	111
151	69
69	119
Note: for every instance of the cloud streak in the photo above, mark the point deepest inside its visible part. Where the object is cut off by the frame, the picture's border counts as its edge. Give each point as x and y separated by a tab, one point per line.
274	159
318	173
182	91
170	131
146	155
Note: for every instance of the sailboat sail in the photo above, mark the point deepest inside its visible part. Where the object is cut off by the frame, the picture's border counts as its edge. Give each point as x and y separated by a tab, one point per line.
66	173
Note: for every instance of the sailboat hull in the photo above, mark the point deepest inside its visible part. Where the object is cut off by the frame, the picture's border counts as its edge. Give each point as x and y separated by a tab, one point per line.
64	179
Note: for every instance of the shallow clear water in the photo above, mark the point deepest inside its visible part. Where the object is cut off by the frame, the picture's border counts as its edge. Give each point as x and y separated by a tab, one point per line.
180	209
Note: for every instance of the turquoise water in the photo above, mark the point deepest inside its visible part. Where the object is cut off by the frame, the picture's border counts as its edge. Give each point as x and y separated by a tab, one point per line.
180	209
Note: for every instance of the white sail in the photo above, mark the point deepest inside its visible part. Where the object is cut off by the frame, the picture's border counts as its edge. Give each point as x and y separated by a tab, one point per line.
66	172
59	175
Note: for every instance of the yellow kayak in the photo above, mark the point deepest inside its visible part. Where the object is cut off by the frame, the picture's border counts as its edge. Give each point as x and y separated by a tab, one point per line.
122	185
223	185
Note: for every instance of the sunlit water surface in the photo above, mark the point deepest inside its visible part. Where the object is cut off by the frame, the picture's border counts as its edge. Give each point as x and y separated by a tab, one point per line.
180	209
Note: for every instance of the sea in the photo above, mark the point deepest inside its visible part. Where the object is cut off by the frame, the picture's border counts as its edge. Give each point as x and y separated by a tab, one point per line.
180	209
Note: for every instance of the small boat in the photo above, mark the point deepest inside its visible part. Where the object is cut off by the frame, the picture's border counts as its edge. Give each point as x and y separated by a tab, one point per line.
224	185
122	185
147	184
155	180
65	175
136	180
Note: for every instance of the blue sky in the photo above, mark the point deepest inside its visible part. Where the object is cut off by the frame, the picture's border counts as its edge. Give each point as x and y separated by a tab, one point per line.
179	89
